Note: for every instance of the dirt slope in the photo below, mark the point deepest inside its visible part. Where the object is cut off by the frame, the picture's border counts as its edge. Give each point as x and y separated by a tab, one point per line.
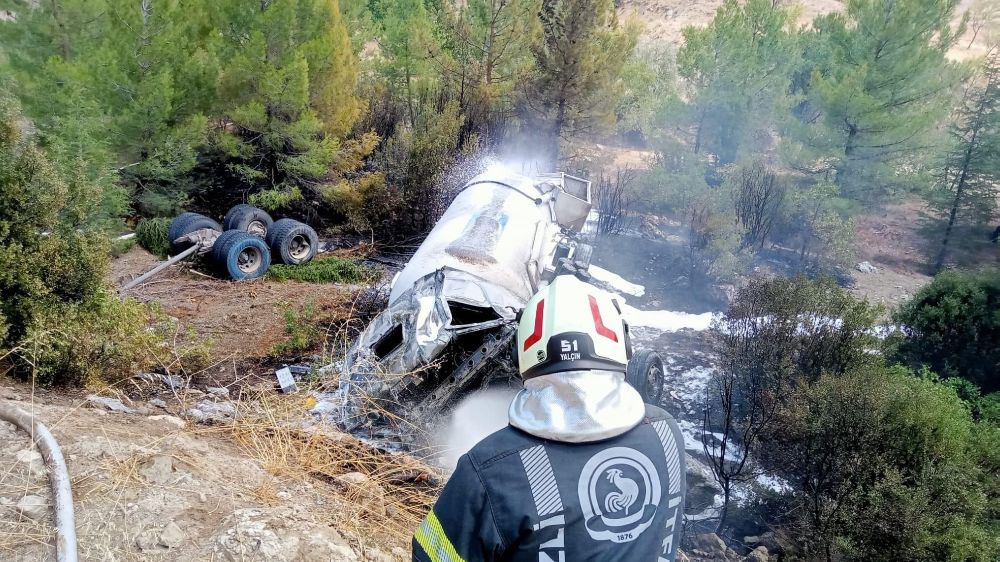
240	322
663	21
150	486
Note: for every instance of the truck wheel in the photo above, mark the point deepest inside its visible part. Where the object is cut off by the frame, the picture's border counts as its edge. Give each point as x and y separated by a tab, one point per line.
249	219
220	242
242	256
645	373
292	242
185	224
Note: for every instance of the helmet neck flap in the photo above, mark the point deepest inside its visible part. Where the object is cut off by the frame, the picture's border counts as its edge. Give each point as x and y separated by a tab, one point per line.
577	406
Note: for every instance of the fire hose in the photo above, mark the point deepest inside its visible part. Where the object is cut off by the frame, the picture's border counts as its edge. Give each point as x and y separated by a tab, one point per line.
58	478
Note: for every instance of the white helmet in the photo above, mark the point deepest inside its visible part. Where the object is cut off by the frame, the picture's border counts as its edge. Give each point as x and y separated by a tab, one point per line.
571	325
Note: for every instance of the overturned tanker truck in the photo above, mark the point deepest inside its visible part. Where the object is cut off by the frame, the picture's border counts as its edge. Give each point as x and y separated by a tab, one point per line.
452	311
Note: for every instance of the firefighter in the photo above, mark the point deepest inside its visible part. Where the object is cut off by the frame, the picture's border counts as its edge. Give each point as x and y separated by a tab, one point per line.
584	471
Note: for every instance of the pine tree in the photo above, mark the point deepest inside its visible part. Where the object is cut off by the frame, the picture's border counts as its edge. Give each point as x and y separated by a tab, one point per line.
885	85
579	62
175	99
972	165
120	88
490	42
738	69
287	94
407	42
333	73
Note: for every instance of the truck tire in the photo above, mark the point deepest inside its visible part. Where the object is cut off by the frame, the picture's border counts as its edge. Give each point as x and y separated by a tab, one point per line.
185	224
292	242
249	219
645	374
242	256
216	256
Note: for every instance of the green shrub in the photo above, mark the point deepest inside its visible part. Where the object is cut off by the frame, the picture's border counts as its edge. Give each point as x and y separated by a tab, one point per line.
59	321
813	327
100	339
50	255
274	199
886	466
953	325
416	161
301	331
984	407
152	235
105	340
330	269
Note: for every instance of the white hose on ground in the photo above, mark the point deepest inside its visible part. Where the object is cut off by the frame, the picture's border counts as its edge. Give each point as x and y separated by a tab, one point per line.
58	478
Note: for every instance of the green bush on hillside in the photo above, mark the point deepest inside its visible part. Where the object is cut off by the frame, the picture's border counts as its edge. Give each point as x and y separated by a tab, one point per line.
152	235
326	270
884	465
59	323
953	326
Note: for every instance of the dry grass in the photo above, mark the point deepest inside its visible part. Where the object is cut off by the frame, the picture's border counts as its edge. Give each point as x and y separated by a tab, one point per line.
16	482
382	512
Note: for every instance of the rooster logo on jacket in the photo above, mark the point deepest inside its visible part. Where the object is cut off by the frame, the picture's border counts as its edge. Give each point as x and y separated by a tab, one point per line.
628	492
619	492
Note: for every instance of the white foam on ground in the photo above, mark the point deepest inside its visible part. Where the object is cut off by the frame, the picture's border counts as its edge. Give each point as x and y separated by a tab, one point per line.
666	320
616	281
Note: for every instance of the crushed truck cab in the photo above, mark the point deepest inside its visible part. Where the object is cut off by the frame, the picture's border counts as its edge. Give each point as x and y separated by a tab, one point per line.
452	309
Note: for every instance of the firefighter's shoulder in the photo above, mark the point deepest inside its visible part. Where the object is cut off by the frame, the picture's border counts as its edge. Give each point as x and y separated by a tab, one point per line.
655	414
499	445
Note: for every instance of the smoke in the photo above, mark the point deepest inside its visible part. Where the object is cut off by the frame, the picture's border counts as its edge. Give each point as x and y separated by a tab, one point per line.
475	417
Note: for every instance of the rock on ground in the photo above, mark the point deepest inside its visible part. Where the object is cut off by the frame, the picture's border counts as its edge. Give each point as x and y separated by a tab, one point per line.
33	461
362	490
172	536
207	411
759	554
709	546
866	267
278	535
218	391
112	404
172	421
33	507
159	469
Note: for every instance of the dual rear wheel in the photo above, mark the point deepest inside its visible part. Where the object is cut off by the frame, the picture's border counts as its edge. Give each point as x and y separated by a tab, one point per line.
240	255
292	242
249	241
248	218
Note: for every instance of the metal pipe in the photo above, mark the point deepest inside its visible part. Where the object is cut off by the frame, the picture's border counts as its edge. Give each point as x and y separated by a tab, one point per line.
58	478
161	267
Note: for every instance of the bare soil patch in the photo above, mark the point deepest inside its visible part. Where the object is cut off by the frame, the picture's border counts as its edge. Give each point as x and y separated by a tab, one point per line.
241	321
663	20
893	241
903	240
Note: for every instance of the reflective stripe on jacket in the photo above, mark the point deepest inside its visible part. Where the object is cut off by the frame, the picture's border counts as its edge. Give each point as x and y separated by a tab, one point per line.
516	497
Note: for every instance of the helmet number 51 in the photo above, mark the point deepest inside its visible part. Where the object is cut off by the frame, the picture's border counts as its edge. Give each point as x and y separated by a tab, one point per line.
570	350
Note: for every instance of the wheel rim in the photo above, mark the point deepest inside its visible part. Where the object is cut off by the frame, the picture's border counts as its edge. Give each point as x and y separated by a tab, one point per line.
298	247
249	260
257	228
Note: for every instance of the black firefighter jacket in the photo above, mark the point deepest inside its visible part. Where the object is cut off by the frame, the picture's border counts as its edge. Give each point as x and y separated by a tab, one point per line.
516	497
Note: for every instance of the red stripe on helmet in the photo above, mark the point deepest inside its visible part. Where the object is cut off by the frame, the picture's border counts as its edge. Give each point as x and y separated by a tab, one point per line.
536	335
598	323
